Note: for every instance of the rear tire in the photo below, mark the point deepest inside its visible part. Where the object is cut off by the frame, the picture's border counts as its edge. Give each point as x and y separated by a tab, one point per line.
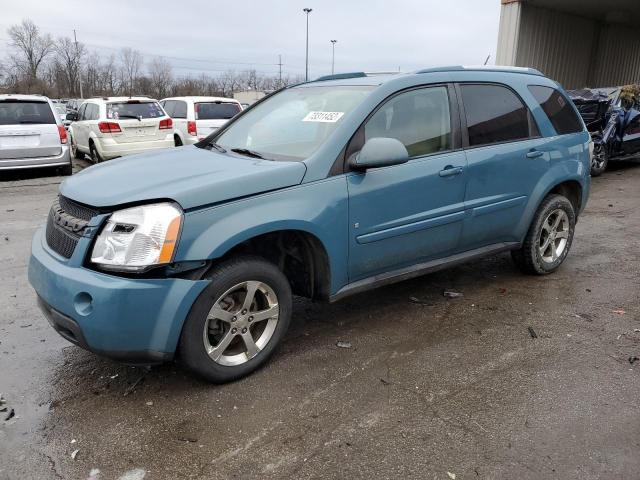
177	141
229	334
95	155
549	237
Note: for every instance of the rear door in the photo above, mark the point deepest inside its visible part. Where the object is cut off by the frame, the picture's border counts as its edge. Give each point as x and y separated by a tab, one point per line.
210	116
139	120
631	137
506	160
179	115
28	129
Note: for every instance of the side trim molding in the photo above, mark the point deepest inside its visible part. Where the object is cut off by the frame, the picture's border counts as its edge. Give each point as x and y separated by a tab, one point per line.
419	269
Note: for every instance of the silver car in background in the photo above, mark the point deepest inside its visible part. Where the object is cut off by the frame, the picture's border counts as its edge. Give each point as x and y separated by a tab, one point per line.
32	134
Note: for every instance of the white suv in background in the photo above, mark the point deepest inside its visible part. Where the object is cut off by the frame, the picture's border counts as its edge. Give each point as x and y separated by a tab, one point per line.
110	127
196	117
32	134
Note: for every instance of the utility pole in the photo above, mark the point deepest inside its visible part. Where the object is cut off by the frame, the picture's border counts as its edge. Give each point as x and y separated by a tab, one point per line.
306	63
75	39
279	71
333	55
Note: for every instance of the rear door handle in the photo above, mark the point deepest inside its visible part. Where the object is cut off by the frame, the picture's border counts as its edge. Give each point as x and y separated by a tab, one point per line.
534	154
450	170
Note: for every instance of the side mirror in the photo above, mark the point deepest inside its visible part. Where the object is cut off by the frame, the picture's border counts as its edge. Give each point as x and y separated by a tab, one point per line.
380	152
72	117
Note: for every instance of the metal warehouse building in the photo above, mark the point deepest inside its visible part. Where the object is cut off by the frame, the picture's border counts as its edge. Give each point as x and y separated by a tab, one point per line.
580	43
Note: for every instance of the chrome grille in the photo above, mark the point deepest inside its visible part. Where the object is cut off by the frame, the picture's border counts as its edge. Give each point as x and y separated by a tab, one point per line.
65	225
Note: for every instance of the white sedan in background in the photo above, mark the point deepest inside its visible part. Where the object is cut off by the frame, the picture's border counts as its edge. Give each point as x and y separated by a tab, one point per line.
196	117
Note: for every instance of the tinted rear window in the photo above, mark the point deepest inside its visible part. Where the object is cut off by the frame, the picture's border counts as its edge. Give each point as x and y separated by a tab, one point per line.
558	109
15	112
126	110
495	114
216	110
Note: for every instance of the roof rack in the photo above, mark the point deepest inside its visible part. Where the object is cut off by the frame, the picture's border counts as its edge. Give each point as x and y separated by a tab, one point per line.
340	76
483	68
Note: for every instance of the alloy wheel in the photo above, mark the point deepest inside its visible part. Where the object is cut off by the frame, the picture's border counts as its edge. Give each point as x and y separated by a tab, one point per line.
241	323
554	236
598	159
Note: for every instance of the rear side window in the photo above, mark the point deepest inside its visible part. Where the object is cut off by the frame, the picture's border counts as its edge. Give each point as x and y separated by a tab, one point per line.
558	109
19	112
420	119
179	109
134	109
495	114
216	110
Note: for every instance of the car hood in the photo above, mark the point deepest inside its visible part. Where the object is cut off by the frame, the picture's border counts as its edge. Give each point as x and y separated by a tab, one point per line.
190	175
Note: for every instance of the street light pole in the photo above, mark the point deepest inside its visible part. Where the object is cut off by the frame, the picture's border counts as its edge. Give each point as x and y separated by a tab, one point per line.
306	65
333	55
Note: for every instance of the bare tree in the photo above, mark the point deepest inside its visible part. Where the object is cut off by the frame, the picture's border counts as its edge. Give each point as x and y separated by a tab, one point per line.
69	56
131	65
30	49
161	77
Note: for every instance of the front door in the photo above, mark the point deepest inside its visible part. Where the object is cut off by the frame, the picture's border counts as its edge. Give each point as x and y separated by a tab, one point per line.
406	214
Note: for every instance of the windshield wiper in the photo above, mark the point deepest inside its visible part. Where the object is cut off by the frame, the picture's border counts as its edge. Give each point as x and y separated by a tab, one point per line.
247	152
217	147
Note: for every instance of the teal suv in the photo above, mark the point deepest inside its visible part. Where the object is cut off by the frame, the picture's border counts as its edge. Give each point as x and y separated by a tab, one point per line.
320	190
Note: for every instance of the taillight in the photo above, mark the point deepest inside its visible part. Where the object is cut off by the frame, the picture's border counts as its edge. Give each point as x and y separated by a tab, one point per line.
166	123
109	127
191	128
63	134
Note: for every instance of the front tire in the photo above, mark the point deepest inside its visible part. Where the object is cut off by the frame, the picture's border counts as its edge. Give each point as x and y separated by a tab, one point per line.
600	160
549	237
237	321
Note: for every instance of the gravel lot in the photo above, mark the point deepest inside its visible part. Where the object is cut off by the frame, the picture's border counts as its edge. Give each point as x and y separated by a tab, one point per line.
431	387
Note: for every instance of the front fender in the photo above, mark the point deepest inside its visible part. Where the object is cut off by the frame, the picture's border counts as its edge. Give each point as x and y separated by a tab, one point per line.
319	208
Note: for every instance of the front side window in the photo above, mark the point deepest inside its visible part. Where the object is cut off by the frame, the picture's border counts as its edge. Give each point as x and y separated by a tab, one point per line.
21	112
495	114
420	119
558	109
293	123
83	109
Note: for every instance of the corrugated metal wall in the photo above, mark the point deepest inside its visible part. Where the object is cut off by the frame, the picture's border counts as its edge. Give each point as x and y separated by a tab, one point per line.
557	44
617	61
574	50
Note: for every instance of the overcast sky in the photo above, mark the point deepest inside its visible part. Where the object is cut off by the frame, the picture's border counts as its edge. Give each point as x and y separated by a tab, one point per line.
214	36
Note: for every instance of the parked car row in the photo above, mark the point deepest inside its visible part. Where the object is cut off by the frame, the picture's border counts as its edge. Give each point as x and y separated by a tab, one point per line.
102	127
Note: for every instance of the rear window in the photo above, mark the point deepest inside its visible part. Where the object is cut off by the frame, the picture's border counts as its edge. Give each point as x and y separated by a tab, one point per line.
117	110
559	110
15	112
216	110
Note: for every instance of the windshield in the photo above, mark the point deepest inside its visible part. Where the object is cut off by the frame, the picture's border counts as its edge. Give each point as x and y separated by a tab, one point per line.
134	109
216	110
13	112
294	122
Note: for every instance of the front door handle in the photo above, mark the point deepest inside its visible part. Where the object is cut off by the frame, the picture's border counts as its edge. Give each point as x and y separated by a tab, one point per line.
450	170
534	154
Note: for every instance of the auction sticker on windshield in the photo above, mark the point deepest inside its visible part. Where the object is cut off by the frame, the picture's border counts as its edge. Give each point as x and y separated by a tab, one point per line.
327	117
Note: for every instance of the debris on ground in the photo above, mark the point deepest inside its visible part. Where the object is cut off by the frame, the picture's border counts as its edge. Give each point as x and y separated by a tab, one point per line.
452	294
94	474
133	386
633	359
419	301
532	332
149	404
10	415
619	311
452	476
342	344
74	454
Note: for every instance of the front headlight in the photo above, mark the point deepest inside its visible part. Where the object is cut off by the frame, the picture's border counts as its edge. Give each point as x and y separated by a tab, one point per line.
139	237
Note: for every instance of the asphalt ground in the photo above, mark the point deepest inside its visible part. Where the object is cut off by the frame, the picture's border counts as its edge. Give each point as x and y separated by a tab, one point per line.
430	387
